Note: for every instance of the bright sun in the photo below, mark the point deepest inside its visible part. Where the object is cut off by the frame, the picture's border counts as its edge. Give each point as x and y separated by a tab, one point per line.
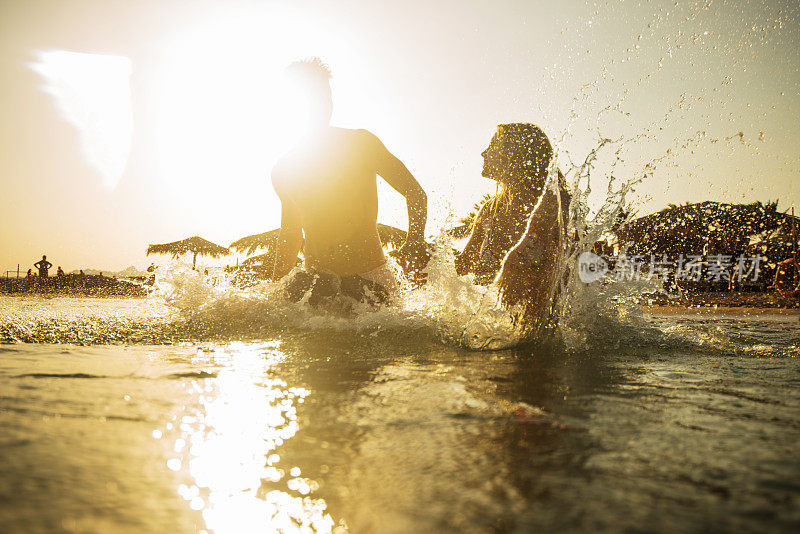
222	99
218	107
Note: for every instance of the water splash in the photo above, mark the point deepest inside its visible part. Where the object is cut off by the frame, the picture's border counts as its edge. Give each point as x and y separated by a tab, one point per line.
450	308
187	305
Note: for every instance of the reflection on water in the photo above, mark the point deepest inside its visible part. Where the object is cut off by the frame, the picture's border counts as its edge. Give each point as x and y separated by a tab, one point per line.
390	433
226	441
425	438
393	437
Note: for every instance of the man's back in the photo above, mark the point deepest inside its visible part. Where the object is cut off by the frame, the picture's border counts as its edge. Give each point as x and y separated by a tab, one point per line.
328	191
331	181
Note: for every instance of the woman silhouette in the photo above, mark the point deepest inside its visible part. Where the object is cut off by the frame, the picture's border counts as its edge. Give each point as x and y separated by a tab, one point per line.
520	232
518	158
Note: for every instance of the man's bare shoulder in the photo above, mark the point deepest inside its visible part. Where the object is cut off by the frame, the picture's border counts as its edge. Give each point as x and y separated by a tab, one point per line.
353	132
284	173
302	150
357	136
279	171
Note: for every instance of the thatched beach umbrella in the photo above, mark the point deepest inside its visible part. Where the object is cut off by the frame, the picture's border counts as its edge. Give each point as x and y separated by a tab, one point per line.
195	245
268	240
251	243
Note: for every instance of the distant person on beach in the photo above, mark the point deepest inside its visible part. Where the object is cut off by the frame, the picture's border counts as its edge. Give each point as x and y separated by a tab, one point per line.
29	276
787	278
509	242
328	191
60	272
44	266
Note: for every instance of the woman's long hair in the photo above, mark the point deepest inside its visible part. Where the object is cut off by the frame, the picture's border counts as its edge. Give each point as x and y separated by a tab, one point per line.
525	156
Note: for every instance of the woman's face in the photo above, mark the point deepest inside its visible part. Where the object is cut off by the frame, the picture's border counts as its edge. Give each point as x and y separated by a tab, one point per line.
492	159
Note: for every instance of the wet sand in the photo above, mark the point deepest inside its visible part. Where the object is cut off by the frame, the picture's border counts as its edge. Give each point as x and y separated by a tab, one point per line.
717	310
723	302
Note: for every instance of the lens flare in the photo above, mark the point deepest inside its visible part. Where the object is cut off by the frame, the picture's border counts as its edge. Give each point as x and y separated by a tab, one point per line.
92	92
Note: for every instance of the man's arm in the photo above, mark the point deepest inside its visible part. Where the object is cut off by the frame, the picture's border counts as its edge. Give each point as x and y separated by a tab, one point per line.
391	169
291	236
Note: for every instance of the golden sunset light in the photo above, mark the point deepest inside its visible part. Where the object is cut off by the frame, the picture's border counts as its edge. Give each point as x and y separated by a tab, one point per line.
352	266
206	98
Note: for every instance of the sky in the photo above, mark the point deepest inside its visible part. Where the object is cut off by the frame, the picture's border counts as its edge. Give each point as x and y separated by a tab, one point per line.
129	123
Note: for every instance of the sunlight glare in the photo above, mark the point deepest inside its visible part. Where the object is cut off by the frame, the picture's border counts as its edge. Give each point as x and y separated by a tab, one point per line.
227	442
223	110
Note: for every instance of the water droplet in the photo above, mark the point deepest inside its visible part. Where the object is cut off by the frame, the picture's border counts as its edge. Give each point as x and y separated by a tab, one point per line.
174	464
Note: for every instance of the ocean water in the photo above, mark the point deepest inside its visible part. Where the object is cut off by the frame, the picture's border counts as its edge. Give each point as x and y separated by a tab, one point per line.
134	416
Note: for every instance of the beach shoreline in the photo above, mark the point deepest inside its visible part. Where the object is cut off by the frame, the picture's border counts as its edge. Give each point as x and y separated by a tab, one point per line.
74	294
722	299
72	286
677	309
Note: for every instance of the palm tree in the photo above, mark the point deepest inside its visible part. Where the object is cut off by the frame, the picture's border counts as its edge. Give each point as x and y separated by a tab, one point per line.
391	236
465	223
195	245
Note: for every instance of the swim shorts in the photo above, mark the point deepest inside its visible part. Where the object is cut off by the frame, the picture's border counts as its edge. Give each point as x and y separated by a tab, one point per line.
372	287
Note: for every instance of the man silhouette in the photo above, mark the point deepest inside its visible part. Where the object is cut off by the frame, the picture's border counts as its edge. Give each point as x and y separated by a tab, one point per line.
43	265
328	191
